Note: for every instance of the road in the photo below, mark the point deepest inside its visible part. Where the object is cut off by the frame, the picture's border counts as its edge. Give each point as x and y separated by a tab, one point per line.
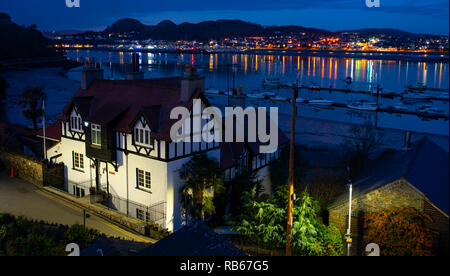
22	199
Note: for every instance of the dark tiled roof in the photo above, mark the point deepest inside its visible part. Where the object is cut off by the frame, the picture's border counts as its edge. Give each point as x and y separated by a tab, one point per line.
193	240
52	131
425	166
119	102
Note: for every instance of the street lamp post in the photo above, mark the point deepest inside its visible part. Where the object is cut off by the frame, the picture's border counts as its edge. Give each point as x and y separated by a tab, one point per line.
348	235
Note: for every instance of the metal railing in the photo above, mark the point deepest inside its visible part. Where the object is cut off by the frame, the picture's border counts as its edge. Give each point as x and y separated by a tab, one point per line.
152	213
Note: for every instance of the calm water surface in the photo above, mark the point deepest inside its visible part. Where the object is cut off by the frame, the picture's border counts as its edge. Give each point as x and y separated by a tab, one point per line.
225	71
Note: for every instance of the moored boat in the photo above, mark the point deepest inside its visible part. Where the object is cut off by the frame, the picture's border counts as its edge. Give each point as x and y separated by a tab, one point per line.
299	100
321	102
256	96
271	82
279	98
363	105
212	90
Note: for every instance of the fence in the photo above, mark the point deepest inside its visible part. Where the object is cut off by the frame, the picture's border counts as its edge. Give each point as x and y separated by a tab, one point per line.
153	213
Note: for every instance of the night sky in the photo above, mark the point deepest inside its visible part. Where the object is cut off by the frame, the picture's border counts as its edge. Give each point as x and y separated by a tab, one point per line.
418	16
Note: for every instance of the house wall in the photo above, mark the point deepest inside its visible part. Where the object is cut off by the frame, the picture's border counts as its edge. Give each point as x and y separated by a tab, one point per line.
76	178
174	185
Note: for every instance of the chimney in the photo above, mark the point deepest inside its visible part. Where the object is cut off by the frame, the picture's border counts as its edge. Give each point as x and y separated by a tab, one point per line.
407	145
238	98
89	73
135	73
190	83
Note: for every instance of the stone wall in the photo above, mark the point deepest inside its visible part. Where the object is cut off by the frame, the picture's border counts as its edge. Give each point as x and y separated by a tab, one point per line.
398	194
32	170
25	167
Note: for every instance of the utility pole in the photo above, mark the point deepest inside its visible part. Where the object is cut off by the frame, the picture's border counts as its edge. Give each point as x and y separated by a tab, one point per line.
291	171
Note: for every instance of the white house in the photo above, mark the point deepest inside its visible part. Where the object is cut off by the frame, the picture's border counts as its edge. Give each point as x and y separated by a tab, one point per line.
115	136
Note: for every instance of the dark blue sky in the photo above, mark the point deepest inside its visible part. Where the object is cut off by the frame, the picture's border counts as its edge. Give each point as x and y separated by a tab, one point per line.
418	16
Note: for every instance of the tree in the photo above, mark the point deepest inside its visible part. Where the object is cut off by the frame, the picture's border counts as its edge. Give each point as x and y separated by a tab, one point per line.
399	232
200	174
240	185
31	102
362	142
264	223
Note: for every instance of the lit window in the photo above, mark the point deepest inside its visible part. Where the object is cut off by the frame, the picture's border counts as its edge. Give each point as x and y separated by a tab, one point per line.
144	180
76	123
96	134
142	136
78	160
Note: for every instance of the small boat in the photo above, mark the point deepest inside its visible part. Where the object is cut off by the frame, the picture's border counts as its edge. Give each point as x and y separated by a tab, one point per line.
271	82
256	96
212	90
299	100
279	98
321	102
416	95
269	94
314	87
363	105
419	86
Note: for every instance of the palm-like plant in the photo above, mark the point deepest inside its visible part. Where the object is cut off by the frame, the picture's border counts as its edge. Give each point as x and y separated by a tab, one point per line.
203	178
31	102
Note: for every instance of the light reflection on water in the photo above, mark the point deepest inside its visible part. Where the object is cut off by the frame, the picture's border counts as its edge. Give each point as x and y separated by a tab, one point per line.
250	69
223	71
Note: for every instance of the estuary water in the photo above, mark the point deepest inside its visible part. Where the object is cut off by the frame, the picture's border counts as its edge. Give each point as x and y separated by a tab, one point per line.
227	70
314	125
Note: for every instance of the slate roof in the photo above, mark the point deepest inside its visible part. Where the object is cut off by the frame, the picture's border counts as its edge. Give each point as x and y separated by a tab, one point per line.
118	102
52	131
193	240
425	166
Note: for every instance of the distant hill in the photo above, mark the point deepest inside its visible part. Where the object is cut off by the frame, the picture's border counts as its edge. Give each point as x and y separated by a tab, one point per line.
22	42
387	32
167	30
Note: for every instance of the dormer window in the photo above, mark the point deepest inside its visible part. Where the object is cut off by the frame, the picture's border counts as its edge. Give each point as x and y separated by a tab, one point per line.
142	136
76	124
96	135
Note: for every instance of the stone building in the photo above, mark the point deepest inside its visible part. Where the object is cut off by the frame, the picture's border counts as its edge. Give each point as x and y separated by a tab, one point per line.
416	178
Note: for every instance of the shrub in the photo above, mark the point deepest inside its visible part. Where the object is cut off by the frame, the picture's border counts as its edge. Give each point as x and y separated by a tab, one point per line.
399	232
80	235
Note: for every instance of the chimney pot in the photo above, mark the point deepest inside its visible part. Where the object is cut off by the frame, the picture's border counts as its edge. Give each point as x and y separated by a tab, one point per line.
190	83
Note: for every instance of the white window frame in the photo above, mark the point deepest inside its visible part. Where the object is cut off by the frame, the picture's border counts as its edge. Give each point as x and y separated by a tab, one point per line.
96	135
142	137
76	123
144	180
78	161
